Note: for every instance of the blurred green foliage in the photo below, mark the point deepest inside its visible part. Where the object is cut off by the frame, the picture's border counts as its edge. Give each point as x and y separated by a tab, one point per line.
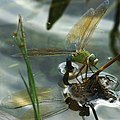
57	8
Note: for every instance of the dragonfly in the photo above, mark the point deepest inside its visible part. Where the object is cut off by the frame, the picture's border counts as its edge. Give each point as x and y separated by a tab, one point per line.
80	35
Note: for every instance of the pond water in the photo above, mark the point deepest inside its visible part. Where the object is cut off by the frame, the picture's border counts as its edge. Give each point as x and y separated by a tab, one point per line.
35	15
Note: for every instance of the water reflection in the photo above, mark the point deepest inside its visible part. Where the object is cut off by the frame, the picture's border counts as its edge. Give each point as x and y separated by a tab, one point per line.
37	36
18	104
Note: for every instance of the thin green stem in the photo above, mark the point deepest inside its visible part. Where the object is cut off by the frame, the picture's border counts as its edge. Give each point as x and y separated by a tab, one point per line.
31	87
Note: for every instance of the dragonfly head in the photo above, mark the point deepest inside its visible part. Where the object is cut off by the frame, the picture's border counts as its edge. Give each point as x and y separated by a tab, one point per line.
92	60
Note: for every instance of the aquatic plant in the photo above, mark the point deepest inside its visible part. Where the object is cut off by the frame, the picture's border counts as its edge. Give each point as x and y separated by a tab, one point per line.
20	41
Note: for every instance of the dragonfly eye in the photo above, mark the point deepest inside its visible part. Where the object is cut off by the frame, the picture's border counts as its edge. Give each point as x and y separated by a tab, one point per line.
74	55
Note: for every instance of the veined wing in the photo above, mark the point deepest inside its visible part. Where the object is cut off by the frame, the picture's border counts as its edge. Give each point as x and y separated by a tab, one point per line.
47	109
21	98
45	52
84	28
77	33
98	14
51	102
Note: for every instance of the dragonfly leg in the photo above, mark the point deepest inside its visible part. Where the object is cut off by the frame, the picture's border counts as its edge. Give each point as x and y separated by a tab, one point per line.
79	80
81	76
91	69
80	72
86	71
95	67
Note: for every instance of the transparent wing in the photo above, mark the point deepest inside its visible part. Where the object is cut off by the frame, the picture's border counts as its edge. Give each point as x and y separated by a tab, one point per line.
51	102
77	33
45	52
48	109
99	13
82	30
21	99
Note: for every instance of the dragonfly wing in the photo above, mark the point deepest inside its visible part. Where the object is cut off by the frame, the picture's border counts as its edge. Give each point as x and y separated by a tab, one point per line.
21	99
99	13
47	109
83	29
77	32
45	52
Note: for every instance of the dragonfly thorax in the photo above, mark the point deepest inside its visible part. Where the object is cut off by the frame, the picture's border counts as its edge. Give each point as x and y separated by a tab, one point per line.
84	57
80	57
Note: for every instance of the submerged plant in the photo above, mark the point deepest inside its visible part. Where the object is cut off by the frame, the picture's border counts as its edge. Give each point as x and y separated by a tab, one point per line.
20	41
